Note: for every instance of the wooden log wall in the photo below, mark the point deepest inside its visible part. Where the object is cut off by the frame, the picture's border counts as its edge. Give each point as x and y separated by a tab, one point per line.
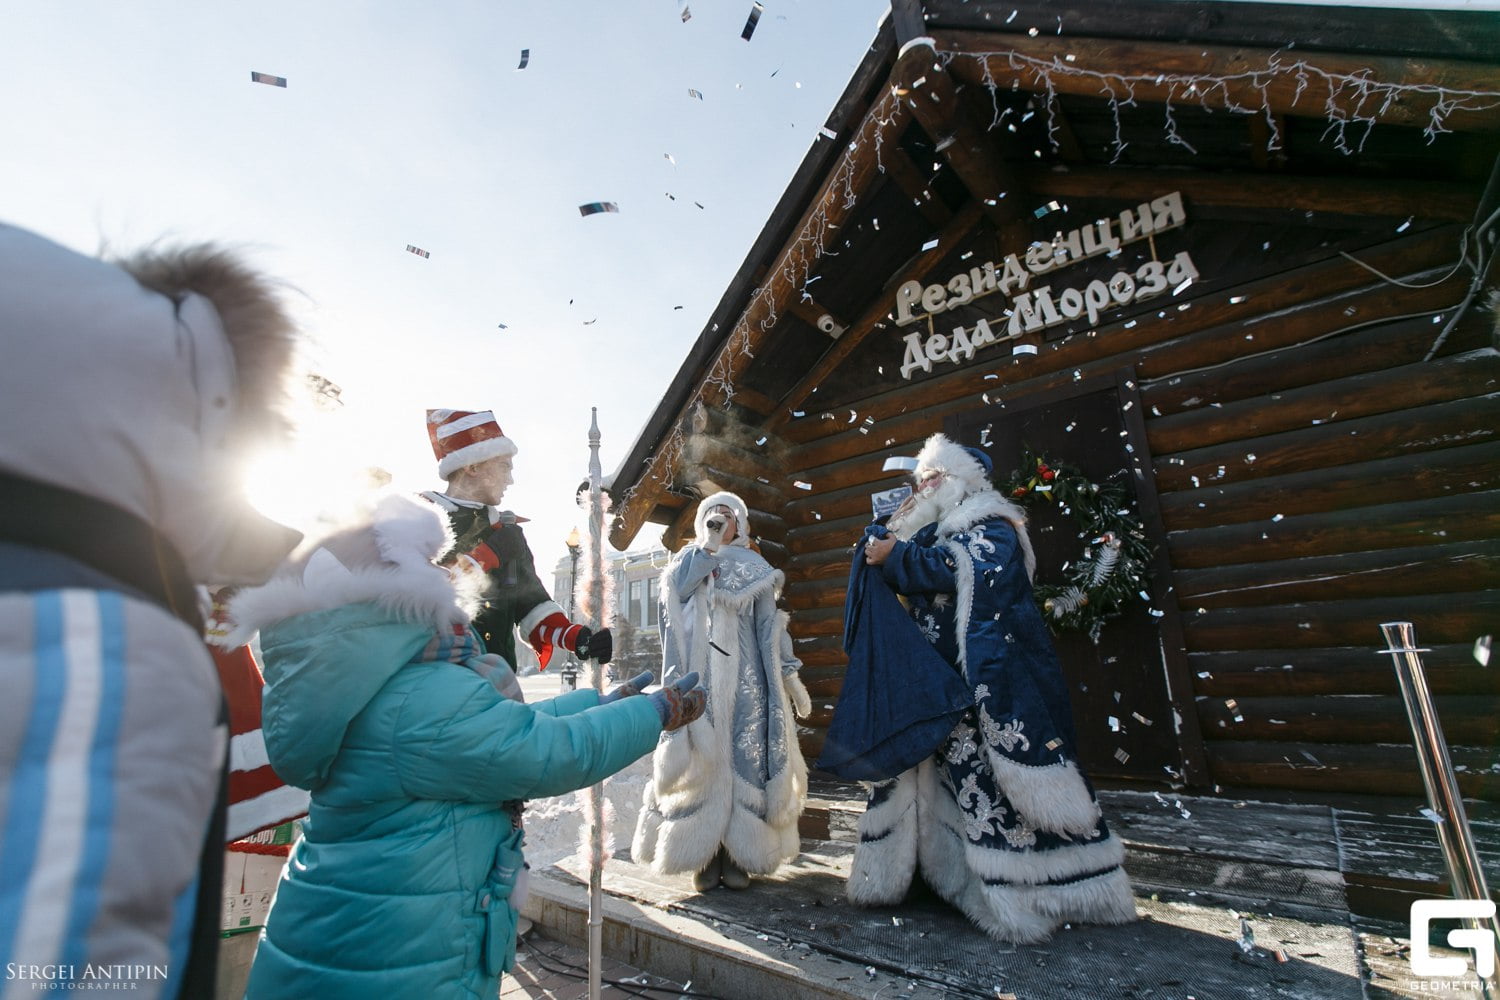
1315	478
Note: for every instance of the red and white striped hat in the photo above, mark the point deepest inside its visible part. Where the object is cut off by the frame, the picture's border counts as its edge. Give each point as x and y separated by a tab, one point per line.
462	438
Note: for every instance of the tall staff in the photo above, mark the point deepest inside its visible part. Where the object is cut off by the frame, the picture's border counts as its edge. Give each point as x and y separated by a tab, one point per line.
596	619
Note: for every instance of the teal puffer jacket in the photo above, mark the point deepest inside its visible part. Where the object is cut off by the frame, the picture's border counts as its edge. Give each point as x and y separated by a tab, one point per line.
401	885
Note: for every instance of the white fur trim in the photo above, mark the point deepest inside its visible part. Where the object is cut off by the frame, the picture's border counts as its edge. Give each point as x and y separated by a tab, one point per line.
734	503
1050	797
943	454
982	507
409	532
426	597
324	572
885	858
534	617
797	693
742	599
963	572
1035	867
695	802
1021	914
479	451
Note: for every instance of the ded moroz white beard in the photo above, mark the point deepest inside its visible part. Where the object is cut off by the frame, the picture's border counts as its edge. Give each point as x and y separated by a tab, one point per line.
923	509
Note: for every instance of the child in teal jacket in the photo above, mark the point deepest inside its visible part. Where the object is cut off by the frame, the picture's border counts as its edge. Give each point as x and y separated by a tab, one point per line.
379	700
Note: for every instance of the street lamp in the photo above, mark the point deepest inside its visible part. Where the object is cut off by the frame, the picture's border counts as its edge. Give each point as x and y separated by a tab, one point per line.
574	544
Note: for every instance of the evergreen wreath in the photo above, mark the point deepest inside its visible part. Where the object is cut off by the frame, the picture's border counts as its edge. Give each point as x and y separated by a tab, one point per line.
1116	562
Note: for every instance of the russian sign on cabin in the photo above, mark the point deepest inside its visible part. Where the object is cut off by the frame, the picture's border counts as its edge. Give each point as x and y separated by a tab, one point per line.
1031	310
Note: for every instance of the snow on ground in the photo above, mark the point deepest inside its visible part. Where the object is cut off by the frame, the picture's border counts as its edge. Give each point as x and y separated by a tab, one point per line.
555	827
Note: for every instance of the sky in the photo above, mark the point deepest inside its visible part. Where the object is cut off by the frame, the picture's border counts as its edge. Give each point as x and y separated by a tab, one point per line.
404	123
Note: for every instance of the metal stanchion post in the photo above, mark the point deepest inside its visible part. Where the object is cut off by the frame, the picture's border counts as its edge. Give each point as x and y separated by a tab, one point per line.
1465	876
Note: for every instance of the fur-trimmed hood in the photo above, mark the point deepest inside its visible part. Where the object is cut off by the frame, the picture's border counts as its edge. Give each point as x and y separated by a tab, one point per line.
385	559
340	622
734	503
187	352
942	454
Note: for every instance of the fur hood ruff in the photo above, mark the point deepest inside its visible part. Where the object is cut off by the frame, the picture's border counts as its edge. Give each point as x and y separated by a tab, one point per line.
387	561
981	507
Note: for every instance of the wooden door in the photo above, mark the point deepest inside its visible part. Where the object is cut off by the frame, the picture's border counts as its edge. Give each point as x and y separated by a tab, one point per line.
1131	693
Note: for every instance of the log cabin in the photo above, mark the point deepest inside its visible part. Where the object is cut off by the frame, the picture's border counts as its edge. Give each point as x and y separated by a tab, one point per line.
1233	259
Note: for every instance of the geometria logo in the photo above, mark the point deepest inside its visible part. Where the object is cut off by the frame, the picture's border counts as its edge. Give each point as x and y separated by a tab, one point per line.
1480	940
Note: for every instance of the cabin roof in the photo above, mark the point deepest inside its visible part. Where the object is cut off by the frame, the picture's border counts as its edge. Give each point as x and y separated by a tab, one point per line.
1070	97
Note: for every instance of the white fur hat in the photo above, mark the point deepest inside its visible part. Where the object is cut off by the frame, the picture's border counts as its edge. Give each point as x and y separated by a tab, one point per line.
735	504
968	465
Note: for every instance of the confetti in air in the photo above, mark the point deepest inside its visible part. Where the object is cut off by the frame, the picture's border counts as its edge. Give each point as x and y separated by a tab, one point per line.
525	58
267	78
417	250
687	14
695	93
752	21
1482	650
595	207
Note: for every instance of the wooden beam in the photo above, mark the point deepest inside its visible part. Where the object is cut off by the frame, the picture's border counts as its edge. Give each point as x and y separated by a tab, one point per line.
965	220
1262	153
1069	149
837	198
1333	670
933	98
909	178
1254	79
1342	195
808	310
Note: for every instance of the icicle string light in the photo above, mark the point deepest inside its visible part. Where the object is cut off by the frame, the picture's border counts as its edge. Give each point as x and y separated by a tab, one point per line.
811	244
1370	98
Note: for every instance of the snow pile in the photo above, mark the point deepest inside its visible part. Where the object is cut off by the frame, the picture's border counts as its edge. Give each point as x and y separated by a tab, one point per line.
555	827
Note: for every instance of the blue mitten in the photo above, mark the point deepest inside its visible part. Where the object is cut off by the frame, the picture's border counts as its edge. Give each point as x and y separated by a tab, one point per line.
680	702
634	686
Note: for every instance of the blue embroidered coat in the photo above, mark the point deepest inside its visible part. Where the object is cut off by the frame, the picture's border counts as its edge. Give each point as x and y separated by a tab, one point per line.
1005	826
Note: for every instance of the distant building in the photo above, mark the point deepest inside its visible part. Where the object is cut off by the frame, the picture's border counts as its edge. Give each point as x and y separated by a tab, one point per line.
636	580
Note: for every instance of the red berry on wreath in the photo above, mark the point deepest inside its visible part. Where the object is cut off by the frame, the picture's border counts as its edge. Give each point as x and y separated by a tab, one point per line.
1048	475
1019	491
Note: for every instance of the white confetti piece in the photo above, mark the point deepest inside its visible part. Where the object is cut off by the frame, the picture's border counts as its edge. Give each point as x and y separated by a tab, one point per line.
417	250
268	79
525	58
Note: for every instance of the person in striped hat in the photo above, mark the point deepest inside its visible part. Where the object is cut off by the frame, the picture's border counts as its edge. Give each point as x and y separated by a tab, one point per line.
474	457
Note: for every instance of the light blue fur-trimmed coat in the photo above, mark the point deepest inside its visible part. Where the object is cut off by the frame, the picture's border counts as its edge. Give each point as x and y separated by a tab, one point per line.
736	776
